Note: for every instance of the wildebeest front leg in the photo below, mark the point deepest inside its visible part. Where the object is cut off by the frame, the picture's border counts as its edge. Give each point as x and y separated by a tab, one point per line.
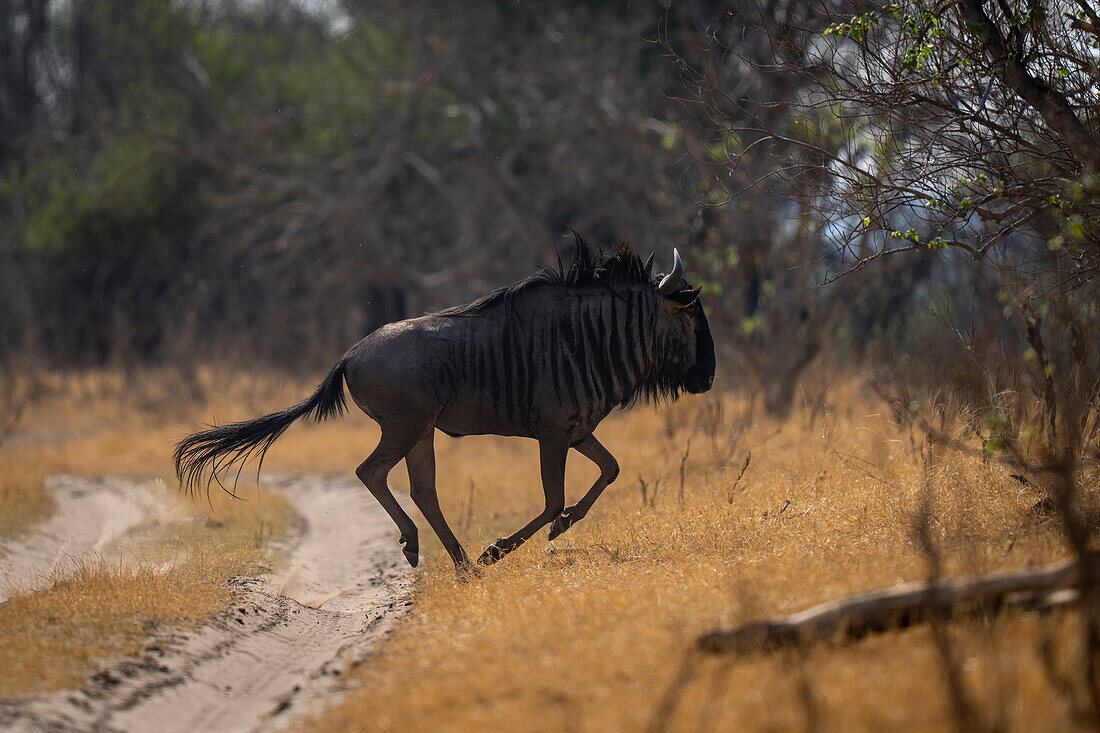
552	460
594	451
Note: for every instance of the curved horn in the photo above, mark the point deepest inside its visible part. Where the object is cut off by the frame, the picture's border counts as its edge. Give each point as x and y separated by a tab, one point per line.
648	267
672	279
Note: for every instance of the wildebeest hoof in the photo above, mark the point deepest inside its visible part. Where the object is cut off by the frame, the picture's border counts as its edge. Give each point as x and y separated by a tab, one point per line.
562	523
494	552
411	550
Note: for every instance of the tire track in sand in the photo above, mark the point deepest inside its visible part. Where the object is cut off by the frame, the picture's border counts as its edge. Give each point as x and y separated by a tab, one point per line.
280	650
93	516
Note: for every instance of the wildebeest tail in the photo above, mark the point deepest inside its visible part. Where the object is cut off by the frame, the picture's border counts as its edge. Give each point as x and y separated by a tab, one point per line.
214	451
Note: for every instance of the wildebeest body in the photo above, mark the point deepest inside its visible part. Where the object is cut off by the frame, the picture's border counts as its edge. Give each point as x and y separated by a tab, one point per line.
559	363
547	358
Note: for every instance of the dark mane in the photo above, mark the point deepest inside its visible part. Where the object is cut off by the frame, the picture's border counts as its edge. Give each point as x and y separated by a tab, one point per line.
606	268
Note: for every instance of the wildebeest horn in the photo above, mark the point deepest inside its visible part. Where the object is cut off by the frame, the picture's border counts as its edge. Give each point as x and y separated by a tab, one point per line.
672	279
649	266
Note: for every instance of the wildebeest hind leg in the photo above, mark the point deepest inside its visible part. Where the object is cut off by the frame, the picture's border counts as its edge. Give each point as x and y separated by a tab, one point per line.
421	464
594	451
395	444
552	460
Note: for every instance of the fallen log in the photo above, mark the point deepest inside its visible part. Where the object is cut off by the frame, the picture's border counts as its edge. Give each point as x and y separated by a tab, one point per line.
902	606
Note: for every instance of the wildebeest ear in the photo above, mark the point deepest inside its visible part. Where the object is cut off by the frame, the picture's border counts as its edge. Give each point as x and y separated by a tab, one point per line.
685	297
649	266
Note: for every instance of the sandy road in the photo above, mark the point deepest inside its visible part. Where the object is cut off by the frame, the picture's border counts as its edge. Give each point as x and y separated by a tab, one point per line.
279	651
94	515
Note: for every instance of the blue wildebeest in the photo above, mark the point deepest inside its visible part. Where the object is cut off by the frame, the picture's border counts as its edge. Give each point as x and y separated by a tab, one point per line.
547	358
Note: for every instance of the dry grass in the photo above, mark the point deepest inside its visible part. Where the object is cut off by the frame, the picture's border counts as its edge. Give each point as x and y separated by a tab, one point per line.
97	422
588	637
23	496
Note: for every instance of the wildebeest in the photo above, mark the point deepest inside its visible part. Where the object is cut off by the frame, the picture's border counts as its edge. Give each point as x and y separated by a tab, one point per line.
547	358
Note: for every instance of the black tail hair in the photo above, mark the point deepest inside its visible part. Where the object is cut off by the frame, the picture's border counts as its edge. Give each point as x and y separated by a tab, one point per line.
220	447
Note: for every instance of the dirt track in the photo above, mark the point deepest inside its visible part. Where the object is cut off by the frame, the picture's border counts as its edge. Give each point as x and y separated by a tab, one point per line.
279	651
93	515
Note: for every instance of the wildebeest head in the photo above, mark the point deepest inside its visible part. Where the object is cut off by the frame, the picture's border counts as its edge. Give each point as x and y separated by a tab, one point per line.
684	321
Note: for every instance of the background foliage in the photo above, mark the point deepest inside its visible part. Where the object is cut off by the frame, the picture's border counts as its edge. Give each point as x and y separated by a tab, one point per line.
194	180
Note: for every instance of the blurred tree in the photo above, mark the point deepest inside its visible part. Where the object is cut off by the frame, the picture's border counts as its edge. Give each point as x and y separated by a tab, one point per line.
276	179
199	173
22	39
974	129
957	136
746	70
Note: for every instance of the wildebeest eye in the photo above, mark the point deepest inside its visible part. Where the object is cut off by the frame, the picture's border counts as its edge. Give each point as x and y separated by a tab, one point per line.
685	297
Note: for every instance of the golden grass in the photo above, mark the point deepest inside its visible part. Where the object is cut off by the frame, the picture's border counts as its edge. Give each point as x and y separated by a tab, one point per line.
96	422
589	637
23	496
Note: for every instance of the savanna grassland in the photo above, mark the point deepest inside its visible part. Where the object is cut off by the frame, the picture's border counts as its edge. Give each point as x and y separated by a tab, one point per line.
589	632
909	189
